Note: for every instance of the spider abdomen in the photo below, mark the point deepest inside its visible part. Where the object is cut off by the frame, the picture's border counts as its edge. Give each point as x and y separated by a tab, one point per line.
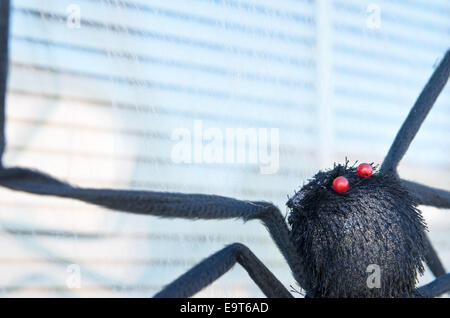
367	242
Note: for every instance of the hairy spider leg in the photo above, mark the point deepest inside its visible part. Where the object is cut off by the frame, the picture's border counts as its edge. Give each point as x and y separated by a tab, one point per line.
216	265
437	287
423	194
4	33
163	204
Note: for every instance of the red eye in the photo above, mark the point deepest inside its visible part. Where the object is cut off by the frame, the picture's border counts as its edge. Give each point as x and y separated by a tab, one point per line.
364	170
340	184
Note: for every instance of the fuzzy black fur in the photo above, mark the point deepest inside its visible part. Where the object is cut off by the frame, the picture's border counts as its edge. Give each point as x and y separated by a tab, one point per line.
339	235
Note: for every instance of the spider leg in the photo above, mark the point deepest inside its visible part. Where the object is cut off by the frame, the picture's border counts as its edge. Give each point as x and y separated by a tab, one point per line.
417	115
436	288
189	206
427	195
423	194
432	259
216	265
433	197
164	204
4	26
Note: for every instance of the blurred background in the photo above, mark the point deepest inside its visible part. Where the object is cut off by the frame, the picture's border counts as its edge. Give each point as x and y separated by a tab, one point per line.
97	88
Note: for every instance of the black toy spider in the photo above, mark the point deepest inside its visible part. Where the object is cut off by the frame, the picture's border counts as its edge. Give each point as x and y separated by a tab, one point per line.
334	234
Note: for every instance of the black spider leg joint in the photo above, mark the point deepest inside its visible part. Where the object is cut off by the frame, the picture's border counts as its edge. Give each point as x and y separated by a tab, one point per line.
218	264
423	194
162	204
4	33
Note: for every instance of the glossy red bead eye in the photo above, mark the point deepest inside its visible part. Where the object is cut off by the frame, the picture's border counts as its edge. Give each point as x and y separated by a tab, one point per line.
364	170
340	184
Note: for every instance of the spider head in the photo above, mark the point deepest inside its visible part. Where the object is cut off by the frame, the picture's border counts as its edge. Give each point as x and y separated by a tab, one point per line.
341	236
319	190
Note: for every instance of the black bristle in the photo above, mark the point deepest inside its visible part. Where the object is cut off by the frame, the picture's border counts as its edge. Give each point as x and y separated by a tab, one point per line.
339	235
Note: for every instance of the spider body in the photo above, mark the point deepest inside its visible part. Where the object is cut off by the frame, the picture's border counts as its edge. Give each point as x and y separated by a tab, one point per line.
340	236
